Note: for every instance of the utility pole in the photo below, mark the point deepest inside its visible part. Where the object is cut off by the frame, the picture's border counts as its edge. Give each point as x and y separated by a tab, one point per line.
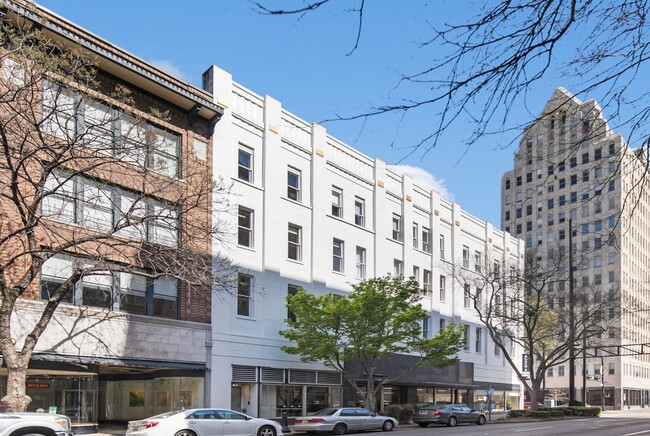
584	368
602	383
572	351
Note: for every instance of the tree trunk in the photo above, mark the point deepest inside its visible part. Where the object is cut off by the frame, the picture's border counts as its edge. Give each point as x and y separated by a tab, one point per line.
371	399
16	399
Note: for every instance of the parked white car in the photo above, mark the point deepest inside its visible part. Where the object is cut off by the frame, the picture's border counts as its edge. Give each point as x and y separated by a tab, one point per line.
41	424
203	422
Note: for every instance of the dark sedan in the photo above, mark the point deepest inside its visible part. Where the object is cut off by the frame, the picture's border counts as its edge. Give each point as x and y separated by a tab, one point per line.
448	414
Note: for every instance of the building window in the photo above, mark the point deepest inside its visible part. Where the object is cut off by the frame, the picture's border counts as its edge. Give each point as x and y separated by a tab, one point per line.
359	212
397	227
467	296
244	294
442	324
291	290
337	255
560	371
397	268
294	242
245	223
465	256
416	233
361	263
478	339
478	261
443	290
426	327
549	372
98	207
426	281
466	337
426	240
293	184
66	114
245	165
442	247
337	202
416	273
497	350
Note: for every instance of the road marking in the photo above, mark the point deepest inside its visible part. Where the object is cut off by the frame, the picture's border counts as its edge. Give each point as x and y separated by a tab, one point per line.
638	432
540	428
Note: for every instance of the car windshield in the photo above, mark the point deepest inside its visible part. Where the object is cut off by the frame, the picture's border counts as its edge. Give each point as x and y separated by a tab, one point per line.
325	412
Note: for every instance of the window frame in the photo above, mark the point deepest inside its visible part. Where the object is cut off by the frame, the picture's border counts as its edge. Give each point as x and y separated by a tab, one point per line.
294	193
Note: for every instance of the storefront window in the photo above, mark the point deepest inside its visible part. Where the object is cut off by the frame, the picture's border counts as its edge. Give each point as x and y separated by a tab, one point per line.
280	398
443	396
425	395
321	397
73	394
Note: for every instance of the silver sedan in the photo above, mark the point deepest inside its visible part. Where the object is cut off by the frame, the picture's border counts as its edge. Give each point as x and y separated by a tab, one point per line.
203	422
343	420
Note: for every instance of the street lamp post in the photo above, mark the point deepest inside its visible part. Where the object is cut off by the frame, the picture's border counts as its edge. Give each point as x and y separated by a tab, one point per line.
572	351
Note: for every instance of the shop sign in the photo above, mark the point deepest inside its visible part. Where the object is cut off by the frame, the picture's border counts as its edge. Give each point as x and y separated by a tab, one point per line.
38	385
525	364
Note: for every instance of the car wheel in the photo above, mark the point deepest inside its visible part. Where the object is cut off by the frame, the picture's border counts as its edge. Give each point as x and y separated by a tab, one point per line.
185	433
388	425
481	420
452	421
266	430
339	429
423	424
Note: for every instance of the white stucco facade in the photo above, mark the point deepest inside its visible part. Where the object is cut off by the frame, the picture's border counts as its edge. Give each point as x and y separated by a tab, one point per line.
344	202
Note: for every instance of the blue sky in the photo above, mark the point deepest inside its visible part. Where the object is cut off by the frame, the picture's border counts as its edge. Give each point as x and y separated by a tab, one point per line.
303	63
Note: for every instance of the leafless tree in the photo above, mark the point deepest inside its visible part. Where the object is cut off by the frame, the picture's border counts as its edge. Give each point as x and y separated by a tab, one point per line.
143	213
495	57
530	308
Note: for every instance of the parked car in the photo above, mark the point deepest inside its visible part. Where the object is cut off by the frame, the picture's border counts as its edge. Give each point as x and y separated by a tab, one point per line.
527	405
47	424
343	420
203	422
448	414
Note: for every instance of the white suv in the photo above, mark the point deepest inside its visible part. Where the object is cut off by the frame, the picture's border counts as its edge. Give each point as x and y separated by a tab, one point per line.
42	424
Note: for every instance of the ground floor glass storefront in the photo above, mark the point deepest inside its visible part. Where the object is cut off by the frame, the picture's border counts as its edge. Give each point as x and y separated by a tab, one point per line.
475	398
296	400
270	392
109	393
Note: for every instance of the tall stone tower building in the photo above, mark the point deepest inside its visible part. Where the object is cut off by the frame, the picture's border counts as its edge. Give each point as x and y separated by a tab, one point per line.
570	166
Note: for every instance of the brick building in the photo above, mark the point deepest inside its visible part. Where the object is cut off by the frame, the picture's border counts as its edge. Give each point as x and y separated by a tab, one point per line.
117	172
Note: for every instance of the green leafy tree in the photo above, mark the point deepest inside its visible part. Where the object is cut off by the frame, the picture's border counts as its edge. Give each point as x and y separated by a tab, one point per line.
380	317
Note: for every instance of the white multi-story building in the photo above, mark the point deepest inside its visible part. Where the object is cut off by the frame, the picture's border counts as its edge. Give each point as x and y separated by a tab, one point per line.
571	166
314	213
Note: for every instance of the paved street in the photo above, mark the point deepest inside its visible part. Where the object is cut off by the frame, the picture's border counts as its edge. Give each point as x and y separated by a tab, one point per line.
612	423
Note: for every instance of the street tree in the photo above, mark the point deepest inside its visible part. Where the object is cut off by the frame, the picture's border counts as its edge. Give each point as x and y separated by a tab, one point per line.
531	308
379	318
61	150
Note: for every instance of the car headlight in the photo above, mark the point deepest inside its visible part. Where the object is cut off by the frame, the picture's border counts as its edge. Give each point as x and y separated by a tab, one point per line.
64	422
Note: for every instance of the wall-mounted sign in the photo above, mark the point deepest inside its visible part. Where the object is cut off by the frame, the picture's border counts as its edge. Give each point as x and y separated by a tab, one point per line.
34	385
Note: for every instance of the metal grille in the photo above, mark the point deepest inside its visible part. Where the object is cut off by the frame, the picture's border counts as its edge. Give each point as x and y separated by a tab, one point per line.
272	375
302	377
329	378
244	373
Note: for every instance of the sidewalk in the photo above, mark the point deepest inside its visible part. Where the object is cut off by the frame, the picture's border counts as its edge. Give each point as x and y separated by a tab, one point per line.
626	413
